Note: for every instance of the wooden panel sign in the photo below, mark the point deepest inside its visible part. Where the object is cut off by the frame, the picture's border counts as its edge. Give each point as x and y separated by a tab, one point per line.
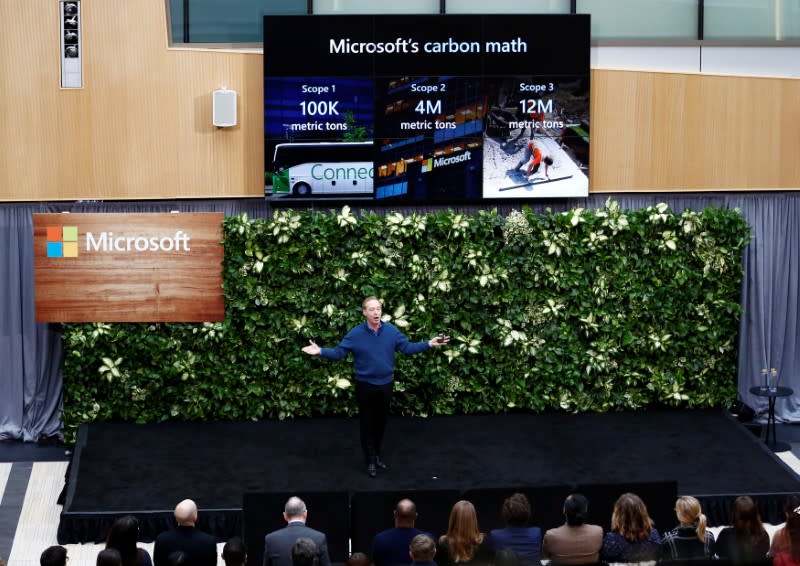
128	267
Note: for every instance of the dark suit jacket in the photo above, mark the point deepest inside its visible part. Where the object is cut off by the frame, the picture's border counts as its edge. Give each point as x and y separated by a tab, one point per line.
278	544
390	547
200	547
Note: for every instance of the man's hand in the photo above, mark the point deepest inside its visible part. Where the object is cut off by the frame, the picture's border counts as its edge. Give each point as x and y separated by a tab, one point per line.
312	349
440	340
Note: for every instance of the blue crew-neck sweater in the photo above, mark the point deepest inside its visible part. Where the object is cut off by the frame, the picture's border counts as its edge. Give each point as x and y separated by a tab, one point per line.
373	352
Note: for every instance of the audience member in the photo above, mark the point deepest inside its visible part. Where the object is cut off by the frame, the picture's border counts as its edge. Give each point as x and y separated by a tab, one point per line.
746	540
780	539
390	547
464	543
304	552
421	550
200	547
278	544
234	553
574	542
358	559
109	557
123	536
690	539
633	538
526	541
788	550
53	556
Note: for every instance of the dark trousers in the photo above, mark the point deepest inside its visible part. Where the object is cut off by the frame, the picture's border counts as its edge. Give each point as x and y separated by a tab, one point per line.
373	411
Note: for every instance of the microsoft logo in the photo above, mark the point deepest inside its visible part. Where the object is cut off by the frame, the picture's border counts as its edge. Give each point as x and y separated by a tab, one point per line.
429	164
62	241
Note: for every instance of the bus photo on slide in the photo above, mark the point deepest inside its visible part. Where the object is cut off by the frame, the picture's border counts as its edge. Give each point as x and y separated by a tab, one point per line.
306	169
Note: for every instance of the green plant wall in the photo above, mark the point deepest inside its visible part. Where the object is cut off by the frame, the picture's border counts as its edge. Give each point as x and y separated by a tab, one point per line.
588	310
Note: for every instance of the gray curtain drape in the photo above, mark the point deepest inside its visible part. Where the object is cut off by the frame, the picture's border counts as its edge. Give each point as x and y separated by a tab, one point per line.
768	330
30	353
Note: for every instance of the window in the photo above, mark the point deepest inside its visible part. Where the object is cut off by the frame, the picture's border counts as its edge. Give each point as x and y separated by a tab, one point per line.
641	19
375	7
507	7
752	19
231	21
240	21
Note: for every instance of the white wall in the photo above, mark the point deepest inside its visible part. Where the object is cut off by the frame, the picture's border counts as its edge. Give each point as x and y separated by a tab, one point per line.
747	61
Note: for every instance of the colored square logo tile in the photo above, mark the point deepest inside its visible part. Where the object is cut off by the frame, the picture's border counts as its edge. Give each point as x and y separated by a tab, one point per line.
53	233
54	249
70	233
70	249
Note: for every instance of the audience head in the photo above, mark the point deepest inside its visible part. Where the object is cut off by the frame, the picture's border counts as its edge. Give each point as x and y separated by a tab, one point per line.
109	557
792	511
358	559
689	513
422	548
405	513
122	536
304	552
517	510
295	510
746	519
630	518
53	556
234	552
463	535
576	509
506	557
186	513
178	558
792	502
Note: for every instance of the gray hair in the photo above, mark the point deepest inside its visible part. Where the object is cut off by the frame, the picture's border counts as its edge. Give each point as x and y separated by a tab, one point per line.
294	507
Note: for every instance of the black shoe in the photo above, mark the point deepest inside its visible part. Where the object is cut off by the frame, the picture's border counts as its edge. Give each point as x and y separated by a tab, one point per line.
371	471
380	464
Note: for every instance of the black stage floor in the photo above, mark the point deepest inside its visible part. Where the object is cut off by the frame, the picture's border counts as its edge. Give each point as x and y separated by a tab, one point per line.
146	469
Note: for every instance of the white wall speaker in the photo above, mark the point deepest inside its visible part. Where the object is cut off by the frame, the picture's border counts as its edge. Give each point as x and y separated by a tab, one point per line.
223	108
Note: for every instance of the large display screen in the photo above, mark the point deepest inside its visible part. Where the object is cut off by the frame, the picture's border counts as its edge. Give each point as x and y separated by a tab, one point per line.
426	108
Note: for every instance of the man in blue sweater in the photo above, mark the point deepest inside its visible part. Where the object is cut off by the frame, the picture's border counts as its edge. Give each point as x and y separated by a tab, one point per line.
373	344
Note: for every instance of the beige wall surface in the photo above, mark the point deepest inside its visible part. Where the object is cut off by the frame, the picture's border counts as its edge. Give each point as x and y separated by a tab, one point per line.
141	125
140	128
683	132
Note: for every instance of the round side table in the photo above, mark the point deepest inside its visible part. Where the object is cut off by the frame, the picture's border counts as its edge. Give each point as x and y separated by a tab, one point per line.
772	395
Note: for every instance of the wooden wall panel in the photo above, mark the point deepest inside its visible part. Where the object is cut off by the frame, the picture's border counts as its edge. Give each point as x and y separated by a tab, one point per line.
684	132
141	126
129	267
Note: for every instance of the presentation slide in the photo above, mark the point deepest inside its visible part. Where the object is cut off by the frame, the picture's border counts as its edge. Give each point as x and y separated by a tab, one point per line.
416	109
